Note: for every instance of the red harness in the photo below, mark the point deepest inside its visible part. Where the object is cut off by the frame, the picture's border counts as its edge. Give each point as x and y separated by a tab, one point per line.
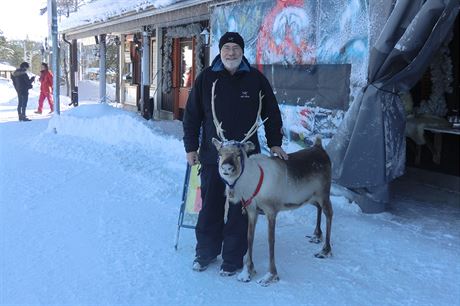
246	203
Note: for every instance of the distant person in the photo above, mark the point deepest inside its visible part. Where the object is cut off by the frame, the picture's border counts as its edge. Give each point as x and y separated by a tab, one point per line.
22	84
46	88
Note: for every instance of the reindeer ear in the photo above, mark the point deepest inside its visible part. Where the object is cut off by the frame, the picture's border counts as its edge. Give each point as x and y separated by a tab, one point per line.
249	146
216	143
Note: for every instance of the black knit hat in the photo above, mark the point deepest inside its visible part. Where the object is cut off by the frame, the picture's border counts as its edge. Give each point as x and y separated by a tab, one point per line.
24	65
231	37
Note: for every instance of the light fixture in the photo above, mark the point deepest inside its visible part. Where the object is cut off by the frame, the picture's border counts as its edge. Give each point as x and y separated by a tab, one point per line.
137	44
117	41
205	36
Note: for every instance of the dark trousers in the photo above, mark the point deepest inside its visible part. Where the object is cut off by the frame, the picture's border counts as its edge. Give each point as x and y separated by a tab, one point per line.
212	234
22	104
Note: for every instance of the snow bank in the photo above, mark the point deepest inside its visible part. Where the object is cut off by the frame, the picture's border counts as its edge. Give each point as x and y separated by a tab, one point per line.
106	124
88	90
7	92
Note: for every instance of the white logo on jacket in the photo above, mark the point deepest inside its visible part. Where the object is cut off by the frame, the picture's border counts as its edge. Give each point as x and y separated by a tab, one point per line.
245	95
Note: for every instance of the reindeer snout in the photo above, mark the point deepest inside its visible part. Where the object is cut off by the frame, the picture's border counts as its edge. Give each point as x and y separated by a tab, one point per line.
227	168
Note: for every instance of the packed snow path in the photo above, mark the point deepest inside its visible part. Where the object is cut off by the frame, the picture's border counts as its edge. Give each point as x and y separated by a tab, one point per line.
89	215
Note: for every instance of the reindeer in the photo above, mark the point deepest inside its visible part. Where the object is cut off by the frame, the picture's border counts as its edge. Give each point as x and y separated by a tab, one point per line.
272	185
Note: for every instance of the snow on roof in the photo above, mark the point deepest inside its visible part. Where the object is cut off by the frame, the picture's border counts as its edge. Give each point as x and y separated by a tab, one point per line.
5	67
102	10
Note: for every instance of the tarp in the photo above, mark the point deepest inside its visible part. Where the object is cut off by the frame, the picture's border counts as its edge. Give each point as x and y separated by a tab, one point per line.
368	150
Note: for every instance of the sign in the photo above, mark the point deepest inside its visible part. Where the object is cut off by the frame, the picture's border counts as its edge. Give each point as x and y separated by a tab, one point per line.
191	200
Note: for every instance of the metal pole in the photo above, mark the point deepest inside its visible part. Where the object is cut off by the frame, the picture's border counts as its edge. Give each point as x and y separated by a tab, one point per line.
121	69
55	57
74	72
158	88
102	69
145	74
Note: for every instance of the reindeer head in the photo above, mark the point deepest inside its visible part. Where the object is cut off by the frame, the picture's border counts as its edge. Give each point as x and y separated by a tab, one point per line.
232	153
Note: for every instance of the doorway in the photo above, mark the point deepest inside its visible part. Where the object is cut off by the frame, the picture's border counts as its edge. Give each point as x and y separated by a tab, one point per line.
183	73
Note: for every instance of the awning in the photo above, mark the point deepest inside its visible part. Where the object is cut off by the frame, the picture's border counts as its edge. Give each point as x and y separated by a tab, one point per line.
180	13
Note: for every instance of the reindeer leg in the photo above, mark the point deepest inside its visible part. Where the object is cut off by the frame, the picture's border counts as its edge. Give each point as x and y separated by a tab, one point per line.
272	275
248	270
327	209
317	234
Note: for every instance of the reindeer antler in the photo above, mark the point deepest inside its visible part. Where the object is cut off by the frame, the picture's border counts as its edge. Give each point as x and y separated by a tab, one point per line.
256	125
219	130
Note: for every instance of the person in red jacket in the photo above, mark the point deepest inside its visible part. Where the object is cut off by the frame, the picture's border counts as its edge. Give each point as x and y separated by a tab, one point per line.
46	88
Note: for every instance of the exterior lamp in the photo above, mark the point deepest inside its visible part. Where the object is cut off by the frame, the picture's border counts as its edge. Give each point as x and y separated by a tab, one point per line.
205	36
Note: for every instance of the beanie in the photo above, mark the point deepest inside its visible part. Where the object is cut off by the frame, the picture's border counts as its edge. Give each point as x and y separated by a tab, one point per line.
24	65
231	37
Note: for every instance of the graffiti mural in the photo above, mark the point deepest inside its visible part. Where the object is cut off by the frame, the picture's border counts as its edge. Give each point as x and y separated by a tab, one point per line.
299	32
287	34
244	18
343	36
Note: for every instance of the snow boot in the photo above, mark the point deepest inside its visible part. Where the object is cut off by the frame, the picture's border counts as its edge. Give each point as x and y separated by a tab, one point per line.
200	264
229	269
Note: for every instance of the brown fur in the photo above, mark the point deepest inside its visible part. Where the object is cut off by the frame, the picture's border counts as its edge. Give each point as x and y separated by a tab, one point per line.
288	184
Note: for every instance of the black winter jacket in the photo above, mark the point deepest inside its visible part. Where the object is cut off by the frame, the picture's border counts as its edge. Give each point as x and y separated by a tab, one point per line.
236	103
21	81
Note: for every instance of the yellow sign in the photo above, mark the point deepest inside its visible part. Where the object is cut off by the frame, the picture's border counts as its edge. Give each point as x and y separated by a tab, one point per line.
193	199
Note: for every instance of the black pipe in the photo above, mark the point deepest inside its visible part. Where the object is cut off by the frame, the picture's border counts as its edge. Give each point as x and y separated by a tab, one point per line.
73	88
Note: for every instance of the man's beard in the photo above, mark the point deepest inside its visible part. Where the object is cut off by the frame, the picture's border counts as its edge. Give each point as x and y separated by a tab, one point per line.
232	64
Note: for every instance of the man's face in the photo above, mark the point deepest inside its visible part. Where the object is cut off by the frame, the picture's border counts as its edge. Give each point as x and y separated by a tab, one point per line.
231	55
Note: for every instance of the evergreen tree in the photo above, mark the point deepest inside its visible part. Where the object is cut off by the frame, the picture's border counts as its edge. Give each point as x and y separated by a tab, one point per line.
23	50
5	51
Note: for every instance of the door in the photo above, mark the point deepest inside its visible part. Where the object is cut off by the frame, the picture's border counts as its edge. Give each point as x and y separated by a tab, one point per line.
184	70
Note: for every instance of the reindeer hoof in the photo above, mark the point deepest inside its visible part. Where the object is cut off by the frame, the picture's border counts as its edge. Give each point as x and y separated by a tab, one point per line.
245	276
268	279
316	239
324	254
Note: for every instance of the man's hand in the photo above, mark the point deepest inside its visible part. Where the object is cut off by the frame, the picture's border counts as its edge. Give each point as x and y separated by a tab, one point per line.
192	158
278	151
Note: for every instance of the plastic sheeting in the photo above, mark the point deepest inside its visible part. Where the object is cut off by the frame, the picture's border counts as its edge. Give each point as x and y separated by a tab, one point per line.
368	151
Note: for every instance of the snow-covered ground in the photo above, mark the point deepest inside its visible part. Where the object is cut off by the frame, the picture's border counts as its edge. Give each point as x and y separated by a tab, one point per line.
89	203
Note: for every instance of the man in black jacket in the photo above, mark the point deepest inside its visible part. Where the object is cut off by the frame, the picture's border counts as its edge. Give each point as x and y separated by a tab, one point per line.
22	84
236	105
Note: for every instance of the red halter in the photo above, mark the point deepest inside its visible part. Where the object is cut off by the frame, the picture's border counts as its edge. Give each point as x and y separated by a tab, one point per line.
246	203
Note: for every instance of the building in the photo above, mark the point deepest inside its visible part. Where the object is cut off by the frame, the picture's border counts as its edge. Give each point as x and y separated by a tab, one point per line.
353	56
6	71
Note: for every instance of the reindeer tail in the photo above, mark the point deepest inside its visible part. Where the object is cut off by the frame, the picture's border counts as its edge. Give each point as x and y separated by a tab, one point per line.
318	141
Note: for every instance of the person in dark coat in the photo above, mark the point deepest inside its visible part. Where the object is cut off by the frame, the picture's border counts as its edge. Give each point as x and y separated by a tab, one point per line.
236	105
22	83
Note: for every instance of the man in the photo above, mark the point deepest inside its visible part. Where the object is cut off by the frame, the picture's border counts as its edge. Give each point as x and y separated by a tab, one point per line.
46	88
22	84
236	105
